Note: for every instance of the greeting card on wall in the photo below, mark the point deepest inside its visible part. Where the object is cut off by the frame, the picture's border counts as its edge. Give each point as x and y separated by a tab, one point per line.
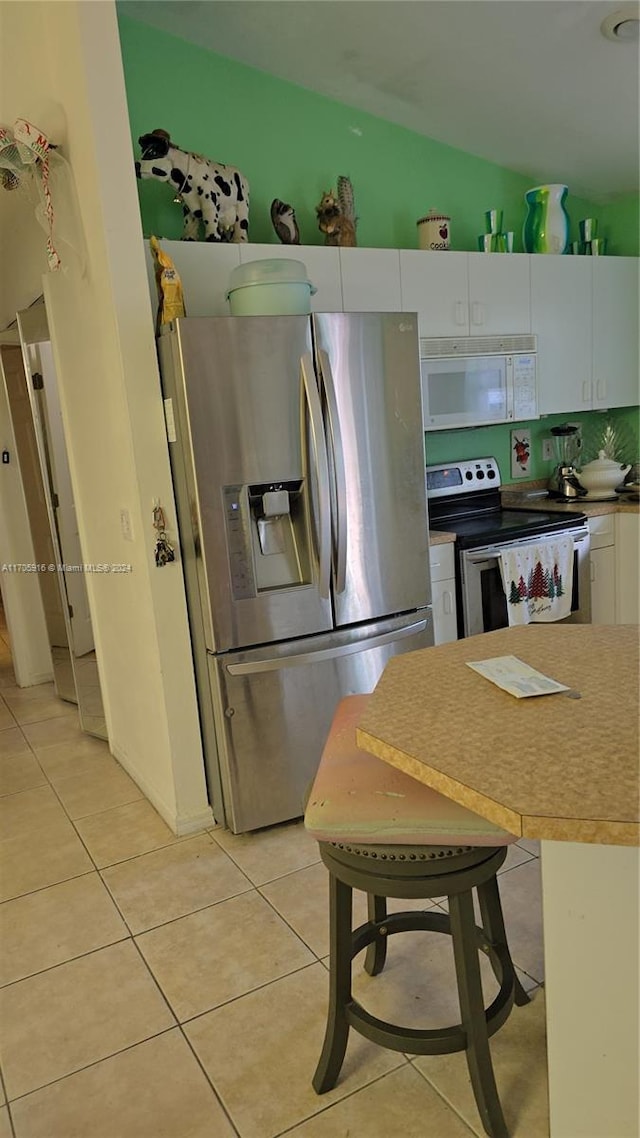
520	453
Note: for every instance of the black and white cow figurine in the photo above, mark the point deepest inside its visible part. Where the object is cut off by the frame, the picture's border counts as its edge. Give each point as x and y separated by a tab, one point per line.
212	195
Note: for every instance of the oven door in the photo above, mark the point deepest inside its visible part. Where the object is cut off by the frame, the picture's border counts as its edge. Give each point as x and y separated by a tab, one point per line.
483	603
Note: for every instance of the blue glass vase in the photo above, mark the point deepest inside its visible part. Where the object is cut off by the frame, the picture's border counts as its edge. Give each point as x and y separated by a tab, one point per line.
546	226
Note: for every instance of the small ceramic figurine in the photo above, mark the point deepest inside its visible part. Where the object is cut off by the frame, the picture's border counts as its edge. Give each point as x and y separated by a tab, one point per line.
336	215
284	222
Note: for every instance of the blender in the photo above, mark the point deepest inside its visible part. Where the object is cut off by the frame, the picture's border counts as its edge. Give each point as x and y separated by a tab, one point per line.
563	481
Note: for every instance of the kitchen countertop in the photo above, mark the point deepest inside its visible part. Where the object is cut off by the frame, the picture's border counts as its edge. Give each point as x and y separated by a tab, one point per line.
514	497
439	537
548	767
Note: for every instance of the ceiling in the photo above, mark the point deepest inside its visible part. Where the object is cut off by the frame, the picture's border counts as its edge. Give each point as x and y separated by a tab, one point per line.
531	85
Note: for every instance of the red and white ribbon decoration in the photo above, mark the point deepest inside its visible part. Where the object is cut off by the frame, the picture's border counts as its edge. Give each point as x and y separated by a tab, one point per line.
31	148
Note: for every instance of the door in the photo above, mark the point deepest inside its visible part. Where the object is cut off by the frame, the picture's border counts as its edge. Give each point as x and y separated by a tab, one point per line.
369	375
250	453
274	711
48	417
51	582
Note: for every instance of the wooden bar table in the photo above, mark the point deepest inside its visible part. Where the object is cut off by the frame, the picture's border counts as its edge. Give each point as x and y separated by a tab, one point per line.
562	768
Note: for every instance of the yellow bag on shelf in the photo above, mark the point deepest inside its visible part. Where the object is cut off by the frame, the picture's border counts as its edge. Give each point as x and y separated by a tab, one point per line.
169	285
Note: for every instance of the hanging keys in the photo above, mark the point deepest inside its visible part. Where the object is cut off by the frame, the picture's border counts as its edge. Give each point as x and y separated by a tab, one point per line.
164	551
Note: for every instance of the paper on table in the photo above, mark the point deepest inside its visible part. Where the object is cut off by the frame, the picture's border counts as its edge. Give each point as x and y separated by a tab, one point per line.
516	677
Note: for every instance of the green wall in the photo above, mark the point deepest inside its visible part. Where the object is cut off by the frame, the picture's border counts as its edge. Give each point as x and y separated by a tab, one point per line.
292	144
479	442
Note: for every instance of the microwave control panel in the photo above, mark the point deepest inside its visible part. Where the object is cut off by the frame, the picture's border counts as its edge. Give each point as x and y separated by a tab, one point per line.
525	403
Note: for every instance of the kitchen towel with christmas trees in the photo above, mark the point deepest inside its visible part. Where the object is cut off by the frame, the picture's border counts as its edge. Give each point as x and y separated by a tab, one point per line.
537	579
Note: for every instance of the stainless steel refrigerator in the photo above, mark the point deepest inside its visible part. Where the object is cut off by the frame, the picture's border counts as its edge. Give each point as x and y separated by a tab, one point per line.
297	453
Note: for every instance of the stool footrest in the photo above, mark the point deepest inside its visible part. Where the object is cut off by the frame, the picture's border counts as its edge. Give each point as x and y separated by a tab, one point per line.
417	1041
428	1041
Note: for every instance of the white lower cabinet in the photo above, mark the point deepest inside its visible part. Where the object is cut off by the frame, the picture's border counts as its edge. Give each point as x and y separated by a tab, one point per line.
443	593
627	534
603	569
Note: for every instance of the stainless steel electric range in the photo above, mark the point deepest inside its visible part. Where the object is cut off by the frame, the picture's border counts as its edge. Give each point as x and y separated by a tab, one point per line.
464	498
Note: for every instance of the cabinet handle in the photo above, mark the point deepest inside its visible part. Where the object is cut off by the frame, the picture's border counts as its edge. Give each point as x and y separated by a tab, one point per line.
446	603
586	391
601	389
593	572
477	313
460	313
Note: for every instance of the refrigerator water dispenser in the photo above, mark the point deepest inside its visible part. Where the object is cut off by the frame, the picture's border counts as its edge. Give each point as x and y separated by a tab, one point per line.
279	535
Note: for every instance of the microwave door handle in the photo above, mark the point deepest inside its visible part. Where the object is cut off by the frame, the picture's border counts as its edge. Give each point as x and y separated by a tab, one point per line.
311	412
337	451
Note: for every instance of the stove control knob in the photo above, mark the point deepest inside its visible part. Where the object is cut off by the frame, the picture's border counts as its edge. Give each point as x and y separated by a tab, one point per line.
491	473
469	475
480	474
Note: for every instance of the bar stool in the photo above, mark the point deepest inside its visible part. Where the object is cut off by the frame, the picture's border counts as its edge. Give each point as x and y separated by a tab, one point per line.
388	835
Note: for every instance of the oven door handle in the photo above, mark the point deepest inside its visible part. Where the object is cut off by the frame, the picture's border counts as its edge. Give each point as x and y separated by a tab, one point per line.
492	552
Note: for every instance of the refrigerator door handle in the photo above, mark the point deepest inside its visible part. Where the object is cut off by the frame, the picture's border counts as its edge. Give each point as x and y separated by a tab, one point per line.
312	403
337	451
278	662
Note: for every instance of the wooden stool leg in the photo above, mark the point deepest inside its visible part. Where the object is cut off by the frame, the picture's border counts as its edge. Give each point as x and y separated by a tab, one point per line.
337	1031
493	925
376	953
473	1014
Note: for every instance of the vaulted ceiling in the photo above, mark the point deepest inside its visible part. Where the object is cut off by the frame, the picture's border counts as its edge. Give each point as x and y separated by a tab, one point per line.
532	85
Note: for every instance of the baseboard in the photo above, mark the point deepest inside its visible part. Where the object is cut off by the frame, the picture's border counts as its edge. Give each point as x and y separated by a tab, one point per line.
33	678
180	824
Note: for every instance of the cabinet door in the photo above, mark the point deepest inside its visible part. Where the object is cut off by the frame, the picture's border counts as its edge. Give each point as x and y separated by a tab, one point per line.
204	271
435	285
321	262
561	318
443	598
499	293
615	331
370	280
443	592
603	586
627	568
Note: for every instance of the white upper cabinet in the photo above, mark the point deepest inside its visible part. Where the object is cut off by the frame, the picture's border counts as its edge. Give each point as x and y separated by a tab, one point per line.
370	280
561	318
435	285
204	270
585	311
466	294
615	332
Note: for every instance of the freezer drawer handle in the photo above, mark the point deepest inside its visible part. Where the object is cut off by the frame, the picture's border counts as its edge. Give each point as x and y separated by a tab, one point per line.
279	662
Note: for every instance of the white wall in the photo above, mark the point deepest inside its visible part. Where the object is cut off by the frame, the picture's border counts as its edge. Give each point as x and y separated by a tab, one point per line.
64	64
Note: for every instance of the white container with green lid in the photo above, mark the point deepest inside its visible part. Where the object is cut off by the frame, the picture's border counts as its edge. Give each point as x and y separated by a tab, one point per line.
274	286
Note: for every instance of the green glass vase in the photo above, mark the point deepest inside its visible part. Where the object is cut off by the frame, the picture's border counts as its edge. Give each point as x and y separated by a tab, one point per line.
546	226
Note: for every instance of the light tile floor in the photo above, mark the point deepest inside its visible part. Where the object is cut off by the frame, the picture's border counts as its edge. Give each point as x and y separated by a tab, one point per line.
155	987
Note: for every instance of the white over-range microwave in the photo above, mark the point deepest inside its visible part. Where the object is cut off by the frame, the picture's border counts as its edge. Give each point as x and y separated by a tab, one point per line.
475	381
